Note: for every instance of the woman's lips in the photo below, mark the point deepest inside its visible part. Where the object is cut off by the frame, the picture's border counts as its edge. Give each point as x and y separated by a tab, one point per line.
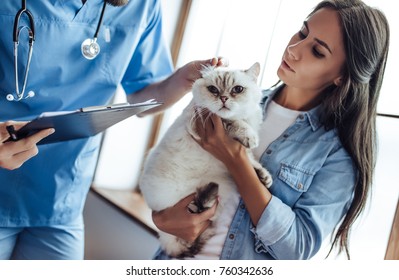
285	65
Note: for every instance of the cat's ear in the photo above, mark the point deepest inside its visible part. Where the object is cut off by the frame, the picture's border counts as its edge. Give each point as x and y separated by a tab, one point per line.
254	70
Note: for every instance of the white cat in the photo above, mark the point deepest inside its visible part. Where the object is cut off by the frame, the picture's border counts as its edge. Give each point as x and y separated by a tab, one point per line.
178	166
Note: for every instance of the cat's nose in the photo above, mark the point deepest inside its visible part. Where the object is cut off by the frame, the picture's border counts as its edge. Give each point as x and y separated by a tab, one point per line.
223	98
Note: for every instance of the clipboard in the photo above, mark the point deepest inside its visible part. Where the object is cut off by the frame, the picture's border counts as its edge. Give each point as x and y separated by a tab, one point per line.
82	123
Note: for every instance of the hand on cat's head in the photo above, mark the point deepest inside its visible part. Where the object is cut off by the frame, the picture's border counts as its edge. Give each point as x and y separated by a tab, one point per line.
213	62
192	70
219	61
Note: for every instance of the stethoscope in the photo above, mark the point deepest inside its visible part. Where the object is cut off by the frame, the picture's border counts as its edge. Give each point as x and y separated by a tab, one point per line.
90	48
16	32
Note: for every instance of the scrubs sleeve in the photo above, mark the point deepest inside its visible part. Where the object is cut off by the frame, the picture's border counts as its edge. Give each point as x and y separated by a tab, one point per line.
297	232
151	60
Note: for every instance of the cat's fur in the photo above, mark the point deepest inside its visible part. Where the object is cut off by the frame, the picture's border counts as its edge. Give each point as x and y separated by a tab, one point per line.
178	166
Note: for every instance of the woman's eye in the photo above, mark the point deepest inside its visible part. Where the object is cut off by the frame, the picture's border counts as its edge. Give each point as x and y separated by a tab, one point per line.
301	34
316	53
213	90
237	89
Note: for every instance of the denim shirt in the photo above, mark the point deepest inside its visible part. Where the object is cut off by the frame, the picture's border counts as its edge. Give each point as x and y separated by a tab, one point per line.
313	183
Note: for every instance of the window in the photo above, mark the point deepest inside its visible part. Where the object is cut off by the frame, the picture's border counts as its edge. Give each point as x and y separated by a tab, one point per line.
258	30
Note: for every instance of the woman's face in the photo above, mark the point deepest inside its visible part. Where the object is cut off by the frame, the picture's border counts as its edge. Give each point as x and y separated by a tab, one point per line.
315	55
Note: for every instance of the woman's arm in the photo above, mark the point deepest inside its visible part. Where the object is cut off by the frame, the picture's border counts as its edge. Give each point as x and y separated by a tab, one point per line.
286	232
229	151
178	221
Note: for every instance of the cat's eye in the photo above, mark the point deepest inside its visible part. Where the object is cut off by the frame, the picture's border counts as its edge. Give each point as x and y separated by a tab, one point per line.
237	89
213	90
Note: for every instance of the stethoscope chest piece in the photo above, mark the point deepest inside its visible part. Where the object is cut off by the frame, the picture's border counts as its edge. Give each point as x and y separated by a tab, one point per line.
90	48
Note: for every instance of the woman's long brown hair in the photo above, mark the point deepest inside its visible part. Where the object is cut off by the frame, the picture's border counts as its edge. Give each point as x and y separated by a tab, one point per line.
351	107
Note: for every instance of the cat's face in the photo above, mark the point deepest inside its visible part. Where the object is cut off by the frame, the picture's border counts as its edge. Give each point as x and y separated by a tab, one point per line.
228	93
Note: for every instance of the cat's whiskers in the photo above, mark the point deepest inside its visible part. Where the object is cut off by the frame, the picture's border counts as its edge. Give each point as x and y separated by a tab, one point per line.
199	113
206	117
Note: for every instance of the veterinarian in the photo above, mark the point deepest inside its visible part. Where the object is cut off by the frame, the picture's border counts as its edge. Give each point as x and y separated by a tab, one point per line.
60	56
317	141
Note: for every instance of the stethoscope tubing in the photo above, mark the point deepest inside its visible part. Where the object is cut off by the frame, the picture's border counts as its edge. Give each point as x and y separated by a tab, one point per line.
16	32
90	48
18	16
100	21
20	94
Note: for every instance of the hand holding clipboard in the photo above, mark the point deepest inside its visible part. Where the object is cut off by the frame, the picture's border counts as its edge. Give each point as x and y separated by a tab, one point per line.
81	123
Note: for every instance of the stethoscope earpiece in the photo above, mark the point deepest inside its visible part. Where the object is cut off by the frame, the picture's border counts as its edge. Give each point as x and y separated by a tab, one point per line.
90	48
31	94
11	97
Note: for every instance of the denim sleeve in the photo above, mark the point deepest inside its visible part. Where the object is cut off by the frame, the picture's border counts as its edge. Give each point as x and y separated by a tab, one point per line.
297	232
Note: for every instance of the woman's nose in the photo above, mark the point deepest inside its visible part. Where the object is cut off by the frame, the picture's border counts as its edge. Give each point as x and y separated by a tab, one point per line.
294	51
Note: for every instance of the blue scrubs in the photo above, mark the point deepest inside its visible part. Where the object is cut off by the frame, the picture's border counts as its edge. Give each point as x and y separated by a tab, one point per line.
50	189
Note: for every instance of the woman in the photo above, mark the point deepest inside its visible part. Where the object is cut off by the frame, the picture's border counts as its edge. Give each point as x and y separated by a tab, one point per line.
317	140
43	188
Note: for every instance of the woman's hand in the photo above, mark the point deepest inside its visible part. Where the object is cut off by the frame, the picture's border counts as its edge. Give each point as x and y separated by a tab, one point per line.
179	221
214	139
14	154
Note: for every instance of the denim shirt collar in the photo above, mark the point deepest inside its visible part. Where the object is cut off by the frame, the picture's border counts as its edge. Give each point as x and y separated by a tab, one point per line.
313	115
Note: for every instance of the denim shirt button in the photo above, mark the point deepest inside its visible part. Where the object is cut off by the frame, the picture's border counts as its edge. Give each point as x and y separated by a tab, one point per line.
268	152
231	236
300	186
301	117
242	206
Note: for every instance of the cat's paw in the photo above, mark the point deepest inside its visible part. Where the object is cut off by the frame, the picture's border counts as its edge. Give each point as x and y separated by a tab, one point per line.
204	199
264	176
242	132
248	142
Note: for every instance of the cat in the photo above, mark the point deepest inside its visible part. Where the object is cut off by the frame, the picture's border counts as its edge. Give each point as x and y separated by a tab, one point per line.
179	166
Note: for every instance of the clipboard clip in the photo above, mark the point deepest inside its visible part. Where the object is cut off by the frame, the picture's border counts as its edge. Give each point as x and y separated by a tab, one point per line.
97	108
11	131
